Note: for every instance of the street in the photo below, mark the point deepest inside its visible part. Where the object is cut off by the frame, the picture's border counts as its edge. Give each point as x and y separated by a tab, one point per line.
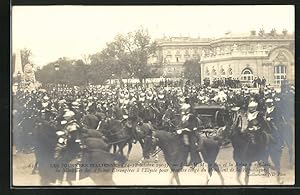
157	173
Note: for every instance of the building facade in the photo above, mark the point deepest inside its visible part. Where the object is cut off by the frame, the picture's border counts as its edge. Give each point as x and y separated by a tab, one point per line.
269	55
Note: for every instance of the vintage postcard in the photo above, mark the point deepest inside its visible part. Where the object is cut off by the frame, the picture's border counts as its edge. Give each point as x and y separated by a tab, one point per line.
153	95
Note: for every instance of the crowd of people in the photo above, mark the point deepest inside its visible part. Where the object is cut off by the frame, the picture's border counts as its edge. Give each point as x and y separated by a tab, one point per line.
222	82
96	116
155	104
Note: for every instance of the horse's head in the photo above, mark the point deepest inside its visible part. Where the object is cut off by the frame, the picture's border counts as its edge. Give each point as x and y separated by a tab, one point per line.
150	143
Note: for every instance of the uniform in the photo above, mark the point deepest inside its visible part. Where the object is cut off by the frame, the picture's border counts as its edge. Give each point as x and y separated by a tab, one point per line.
274	121
189	122
256	122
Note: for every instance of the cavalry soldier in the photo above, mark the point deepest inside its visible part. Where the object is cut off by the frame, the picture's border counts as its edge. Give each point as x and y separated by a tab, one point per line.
274	120
90	120
132	120
76	110
189	126
256	122
68	138
117	112
167	119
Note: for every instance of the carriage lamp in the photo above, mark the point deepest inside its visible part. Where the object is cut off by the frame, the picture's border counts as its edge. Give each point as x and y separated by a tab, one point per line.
19	76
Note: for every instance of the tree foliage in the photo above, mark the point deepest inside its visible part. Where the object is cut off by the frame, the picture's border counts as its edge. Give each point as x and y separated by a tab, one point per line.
26	54
192	70
124	57
127	55
71	72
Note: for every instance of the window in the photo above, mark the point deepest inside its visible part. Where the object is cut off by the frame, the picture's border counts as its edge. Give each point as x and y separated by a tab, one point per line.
207	72
223	73
230	71
247	75
214	72
186	55
279	74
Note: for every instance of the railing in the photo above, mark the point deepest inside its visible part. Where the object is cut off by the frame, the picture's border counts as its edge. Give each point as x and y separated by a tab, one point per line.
261	53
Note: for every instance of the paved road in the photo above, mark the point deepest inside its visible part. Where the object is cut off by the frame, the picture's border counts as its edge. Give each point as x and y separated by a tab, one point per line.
157	172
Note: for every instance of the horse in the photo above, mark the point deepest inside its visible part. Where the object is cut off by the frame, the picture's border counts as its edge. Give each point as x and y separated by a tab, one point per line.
24	130
117	135
286	108
149	114
287	136
45	140
245	153
96	152
176	152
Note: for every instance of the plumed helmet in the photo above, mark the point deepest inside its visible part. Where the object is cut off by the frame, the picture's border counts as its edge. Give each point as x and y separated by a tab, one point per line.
68	115
185	107
45	104
269	100
75	104
252	104
46	98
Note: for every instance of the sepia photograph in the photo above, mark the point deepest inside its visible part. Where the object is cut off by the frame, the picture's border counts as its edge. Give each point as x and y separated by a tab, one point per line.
152	95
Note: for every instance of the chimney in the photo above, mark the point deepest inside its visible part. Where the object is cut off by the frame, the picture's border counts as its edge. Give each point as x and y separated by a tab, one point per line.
253	32
284	32
261	32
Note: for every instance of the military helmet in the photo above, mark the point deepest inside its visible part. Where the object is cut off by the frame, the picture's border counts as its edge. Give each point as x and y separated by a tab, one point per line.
68	115
252	104
185	108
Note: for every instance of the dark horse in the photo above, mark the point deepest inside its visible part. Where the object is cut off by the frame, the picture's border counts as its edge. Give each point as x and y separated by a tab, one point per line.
176	152
117	135
45	140
286	108
245	153
97	152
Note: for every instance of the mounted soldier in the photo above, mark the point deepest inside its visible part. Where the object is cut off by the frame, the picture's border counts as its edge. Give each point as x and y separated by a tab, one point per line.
69	143
90	120
256	122
189	126
274	121
132	120
167	119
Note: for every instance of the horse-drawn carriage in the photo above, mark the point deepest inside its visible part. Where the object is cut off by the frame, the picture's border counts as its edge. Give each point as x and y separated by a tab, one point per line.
212	118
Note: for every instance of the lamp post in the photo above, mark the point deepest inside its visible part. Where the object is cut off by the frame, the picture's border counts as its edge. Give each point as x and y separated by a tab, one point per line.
112	77
183	81
56	68
19	79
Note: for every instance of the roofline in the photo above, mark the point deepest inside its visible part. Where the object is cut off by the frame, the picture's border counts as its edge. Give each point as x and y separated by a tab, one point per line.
220	40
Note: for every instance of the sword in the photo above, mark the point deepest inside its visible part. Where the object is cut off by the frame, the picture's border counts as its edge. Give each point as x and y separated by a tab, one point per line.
99	124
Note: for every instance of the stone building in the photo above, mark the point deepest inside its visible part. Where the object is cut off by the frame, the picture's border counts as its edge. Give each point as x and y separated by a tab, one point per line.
243	56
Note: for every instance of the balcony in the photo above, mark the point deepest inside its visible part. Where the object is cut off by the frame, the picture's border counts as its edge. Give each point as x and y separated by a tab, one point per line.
242	53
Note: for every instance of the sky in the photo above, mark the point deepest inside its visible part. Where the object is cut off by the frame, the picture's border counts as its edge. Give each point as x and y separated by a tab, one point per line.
73	31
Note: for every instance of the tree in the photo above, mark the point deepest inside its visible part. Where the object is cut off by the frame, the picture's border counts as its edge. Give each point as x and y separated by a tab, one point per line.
25	56
192	70
71	72
126	54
